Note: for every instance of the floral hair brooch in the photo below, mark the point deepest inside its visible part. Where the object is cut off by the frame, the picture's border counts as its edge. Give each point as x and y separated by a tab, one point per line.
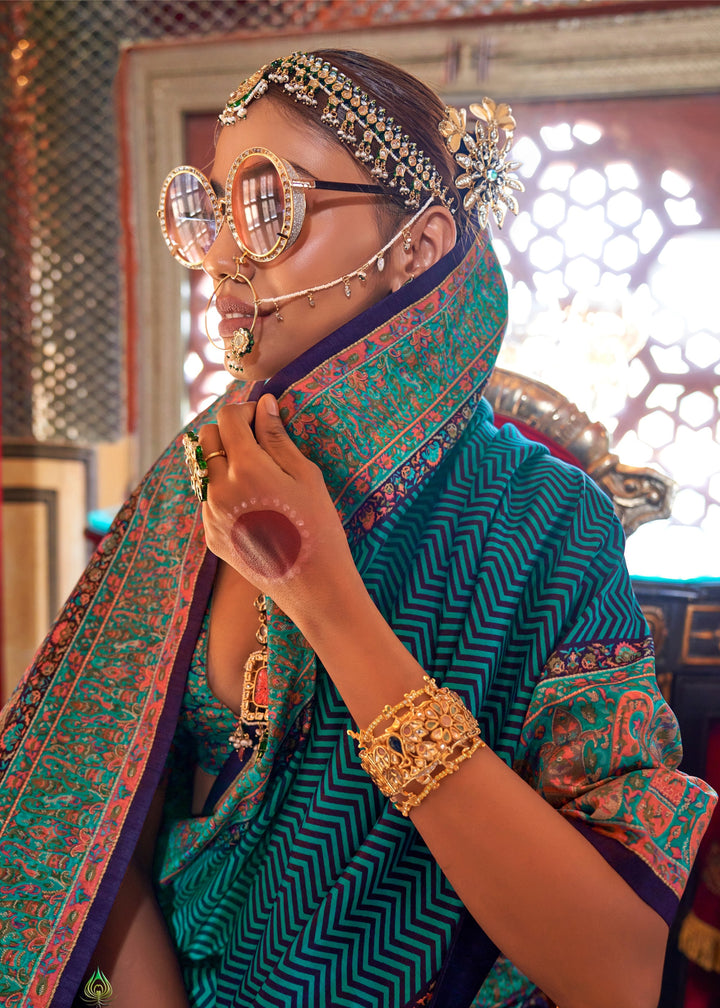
488	175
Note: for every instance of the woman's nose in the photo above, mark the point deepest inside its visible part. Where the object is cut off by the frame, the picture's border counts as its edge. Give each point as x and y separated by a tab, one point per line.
223	255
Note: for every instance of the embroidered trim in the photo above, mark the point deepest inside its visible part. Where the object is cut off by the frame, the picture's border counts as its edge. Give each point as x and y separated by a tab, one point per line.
598	655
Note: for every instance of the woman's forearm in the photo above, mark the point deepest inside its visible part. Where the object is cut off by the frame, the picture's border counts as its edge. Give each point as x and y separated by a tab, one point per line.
541	891
536	886
135	952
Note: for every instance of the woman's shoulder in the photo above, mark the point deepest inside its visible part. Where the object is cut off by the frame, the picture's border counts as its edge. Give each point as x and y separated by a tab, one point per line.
515	455
522	472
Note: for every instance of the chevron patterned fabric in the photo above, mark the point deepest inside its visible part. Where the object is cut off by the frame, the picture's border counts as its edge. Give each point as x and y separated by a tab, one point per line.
498	567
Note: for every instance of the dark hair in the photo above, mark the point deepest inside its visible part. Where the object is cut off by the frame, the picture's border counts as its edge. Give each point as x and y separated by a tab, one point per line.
413	105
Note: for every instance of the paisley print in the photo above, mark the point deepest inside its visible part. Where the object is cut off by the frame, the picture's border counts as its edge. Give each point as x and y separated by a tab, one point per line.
603	747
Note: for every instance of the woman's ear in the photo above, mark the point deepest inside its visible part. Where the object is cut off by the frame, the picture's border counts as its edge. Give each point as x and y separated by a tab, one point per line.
423	244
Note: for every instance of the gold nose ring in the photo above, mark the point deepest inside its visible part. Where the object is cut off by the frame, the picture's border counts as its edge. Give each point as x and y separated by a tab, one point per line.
243	339
239	261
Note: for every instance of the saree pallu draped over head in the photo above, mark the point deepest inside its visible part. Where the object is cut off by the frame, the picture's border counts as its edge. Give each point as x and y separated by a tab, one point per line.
501	571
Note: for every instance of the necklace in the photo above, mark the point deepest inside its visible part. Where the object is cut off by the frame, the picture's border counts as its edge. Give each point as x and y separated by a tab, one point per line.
255	696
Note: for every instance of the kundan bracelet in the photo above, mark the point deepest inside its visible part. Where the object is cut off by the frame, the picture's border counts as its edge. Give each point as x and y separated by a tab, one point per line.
409	748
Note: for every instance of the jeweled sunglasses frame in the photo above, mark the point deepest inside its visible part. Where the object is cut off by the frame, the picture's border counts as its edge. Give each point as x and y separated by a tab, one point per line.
293	187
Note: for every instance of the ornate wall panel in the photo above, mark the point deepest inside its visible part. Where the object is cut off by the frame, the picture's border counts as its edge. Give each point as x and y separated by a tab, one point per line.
47	492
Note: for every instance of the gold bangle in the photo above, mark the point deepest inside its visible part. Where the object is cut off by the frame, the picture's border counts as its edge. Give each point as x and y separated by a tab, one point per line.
409	748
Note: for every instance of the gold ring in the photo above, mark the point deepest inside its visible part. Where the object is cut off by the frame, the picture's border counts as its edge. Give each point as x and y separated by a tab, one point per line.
220	451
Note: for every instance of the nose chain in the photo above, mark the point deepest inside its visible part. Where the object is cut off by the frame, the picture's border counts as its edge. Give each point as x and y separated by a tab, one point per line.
378	259
243	340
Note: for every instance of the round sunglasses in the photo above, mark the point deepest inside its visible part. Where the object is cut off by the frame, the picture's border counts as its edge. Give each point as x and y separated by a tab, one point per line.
264	205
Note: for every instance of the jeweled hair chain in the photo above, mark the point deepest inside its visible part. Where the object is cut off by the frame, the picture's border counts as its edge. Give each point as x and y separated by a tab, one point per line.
377	139
357	119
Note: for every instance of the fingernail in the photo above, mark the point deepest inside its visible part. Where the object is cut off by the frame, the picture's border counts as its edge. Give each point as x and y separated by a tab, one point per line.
271	405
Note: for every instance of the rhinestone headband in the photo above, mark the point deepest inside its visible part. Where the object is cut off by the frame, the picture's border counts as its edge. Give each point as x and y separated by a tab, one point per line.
376	139
357	119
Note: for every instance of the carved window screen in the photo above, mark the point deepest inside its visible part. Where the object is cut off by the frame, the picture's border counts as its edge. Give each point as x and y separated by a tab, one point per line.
613	264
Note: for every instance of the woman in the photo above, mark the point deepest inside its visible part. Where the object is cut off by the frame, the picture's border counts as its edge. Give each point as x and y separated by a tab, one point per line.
367	526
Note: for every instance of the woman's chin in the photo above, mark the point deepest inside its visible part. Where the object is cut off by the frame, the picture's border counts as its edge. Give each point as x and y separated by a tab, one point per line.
247	370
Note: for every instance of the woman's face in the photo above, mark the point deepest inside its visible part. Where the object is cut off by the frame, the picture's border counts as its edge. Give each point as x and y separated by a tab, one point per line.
340	233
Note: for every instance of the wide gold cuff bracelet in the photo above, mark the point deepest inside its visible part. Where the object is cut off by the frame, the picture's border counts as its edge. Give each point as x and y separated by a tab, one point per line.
409	748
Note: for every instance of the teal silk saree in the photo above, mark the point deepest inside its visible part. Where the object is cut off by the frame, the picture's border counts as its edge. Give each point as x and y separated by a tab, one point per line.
498	567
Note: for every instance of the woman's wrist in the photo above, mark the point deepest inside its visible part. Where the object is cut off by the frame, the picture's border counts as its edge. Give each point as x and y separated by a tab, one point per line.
412	746
368	663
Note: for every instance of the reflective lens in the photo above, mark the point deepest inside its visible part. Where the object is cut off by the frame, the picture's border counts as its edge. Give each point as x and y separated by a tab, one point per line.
188	216
258	205
266	210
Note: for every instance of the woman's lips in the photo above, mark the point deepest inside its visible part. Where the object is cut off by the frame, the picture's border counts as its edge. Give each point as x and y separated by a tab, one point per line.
234	315
230	323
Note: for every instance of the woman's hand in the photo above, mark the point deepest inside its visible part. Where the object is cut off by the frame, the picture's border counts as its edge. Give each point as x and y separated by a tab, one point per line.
269	514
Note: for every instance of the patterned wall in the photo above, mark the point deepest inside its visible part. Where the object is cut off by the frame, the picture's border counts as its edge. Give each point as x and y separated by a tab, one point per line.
61	316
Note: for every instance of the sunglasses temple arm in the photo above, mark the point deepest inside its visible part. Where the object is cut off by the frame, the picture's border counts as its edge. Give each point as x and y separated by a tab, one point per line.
341	187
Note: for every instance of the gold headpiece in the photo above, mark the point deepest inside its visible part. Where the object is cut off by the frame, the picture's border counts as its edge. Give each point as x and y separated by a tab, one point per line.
357	119
378	140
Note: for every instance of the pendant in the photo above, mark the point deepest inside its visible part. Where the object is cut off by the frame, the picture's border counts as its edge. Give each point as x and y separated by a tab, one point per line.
240	738
241	344
255	702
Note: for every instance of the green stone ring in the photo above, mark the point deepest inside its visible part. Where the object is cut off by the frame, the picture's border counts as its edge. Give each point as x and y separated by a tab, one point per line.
196	465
